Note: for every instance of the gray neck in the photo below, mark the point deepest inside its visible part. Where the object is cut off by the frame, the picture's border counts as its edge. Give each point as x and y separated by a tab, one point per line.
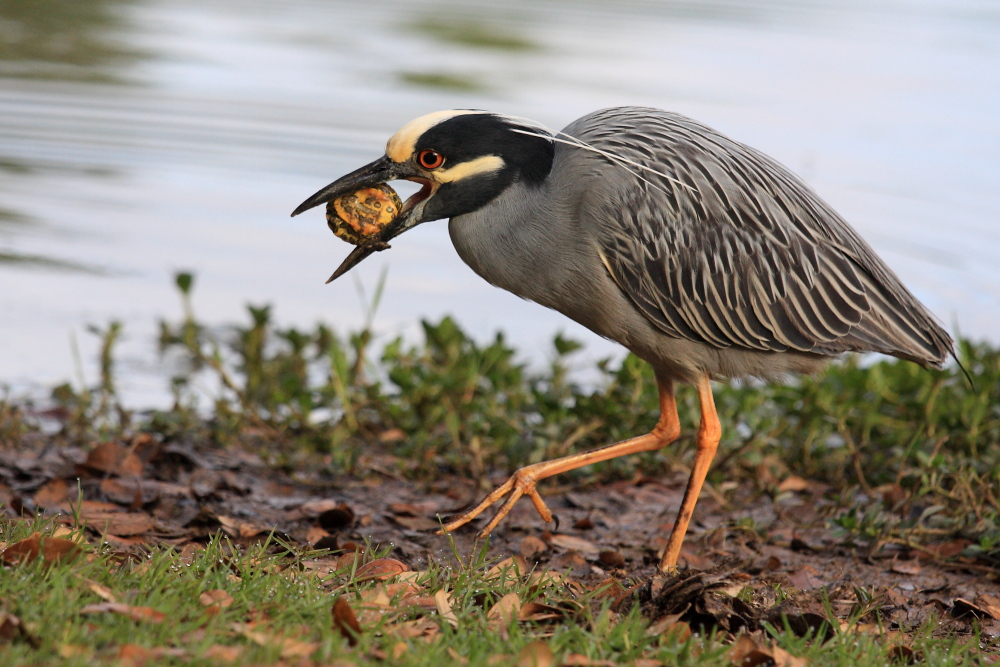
529	241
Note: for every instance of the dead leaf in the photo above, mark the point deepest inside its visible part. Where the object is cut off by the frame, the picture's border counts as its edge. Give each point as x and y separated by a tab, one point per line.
662	625
806	578
504	611
337	518
347	561
514	566
240	529
289	646
793	483
345	622
71	651
457	657
52	494
964	608
906	566
537	612
120	523
579	660
532	547
51	549
746	653
133	655
443	603
101	591
573	543
902	653
380	569
215	600
112	458
535	654
12	629
223	653
421	627
611	558
146	614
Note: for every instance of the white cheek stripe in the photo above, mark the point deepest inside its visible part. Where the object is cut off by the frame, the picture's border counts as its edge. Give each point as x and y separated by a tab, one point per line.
400	146
481	165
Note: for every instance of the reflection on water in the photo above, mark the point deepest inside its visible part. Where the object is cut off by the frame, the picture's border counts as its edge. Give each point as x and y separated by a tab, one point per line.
137	139
65	40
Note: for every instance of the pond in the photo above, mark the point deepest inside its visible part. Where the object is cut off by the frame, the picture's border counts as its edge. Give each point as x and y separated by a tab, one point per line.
139	138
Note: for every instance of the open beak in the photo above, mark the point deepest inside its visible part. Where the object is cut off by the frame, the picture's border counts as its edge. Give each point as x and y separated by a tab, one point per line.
380	171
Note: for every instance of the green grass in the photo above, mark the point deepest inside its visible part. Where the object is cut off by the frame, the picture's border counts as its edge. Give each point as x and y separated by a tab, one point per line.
911	456
281	602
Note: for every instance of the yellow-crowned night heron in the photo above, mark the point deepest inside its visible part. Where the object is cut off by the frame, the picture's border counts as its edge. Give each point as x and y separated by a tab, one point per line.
701	255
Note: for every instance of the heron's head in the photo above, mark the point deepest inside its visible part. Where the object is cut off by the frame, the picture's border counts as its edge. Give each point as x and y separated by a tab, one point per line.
463	159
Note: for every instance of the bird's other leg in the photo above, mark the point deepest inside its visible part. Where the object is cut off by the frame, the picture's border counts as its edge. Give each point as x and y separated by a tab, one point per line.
523	481
709	433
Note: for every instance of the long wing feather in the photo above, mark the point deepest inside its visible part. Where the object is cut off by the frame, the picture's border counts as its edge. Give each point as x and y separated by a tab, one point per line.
719	244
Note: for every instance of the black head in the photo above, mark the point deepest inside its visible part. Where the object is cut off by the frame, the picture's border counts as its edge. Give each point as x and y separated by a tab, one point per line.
464	159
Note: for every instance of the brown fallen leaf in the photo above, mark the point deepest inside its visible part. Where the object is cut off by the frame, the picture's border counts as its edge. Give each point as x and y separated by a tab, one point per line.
120	523
223	653
421	627
345	622
611	558
580	660
990	603
133	655
74	651
906	566
52	494
145	614
537	612
113	458
793	483
535	654
532	547
573	543
11	630
380	569
504	611
215	600
806	578
101	591
456	656
51	549
902	653
443	603
515	566
289	646
337	518
963	608
746	653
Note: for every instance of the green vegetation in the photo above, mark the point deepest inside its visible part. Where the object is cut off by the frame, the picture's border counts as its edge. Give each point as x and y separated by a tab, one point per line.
914	454
268	602
907	456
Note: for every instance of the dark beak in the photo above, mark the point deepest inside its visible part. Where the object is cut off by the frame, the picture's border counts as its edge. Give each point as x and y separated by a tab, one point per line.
379	171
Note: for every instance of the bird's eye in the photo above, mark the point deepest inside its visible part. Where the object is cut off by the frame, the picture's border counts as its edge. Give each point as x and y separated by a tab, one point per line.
430	159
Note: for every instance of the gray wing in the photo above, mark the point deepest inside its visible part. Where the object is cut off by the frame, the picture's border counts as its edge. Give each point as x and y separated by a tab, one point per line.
726	247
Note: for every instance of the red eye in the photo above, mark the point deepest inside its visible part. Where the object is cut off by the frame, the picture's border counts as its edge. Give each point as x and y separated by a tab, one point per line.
430	159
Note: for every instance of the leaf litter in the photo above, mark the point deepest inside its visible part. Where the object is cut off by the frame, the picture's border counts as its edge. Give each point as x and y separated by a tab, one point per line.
788	570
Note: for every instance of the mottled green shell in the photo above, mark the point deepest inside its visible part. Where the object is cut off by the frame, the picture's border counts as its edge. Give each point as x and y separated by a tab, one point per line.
358	215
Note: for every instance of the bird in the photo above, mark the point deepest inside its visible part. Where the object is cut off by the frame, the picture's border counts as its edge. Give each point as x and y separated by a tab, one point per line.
702	256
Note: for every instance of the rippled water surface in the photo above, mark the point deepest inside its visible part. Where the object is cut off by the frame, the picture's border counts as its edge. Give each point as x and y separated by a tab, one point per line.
139	138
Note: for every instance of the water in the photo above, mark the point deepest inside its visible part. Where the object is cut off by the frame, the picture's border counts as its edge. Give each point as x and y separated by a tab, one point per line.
141	138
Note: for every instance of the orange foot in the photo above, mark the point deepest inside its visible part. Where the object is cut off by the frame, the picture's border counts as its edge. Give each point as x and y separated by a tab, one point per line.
521	483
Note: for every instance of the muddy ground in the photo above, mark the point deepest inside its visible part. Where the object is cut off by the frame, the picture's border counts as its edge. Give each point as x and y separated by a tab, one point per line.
777	556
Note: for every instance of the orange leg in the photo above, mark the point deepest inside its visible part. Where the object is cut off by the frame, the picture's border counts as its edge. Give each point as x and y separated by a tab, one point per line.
709	433
523	481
